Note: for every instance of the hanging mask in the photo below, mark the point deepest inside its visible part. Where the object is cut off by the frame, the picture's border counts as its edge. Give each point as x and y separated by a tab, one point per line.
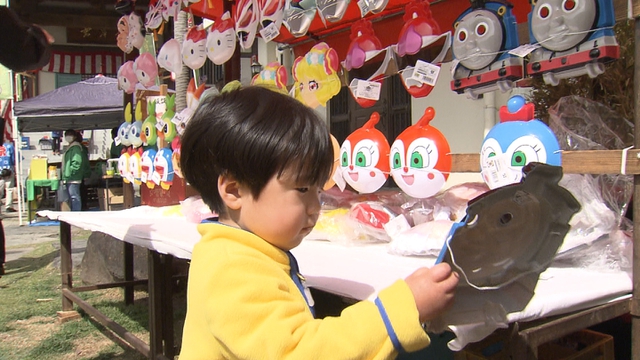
168	131
298	16
364	157
148	133
176	145
136	31
221	40
271	12
315	76
420	39
153	18
146	69
127	78
122	39
332	10
170	56
273	74
516	141
364	59
483	36
171	8
135	169
246	20
146	167
163	167
194	52
123	167
420	158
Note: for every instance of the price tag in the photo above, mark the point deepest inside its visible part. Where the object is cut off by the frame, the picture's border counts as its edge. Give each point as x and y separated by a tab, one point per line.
368	90
523	50
130	177
143	177
182	116
117	141
155	177
160	125
339	180
396	226
497	173
426	73
270	32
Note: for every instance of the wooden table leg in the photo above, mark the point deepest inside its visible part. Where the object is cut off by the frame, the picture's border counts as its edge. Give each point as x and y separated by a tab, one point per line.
66	266
160	305
128	272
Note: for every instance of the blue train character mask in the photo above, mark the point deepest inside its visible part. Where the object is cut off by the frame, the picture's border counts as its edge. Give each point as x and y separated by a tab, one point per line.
483	35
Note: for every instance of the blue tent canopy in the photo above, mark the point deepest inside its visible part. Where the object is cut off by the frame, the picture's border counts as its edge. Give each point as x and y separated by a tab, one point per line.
91	104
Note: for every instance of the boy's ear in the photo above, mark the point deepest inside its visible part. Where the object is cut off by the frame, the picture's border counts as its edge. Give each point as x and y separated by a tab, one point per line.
229	190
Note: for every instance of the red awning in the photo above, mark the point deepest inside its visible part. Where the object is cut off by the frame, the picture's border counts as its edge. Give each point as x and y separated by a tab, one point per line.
84	62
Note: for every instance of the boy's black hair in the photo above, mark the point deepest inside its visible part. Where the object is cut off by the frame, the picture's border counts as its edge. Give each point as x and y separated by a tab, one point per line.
252	134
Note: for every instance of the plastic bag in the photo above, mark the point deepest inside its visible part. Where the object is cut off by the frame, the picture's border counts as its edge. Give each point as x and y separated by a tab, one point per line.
195	210
583	124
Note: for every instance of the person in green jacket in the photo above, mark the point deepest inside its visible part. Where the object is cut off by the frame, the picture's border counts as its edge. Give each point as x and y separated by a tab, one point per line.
75	167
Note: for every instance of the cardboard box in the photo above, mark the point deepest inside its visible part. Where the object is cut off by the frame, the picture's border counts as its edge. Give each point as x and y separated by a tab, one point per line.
581	345
38	169
115	196
158	196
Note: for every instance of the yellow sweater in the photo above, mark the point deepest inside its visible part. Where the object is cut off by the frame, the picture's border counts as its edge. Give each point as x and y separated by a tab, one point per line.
243	304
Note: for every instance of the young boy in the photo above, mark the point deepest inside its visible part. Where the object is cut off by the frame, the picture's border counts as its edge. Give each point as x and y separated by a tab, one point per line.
259	159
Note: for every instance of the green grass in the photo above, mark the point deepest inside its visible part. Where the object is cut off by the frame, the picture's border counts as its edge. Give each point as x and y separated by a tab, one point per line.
30	297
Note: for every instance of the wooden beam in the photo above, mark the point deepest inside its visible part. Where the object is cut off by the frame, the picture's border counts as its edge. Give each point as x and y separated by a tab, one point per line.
573	162
97	22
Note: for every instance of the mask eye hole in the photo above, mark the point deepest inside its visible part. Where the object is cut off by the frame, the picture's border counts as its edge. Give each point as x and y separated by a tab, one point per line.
462	35
569	5
544	12
481	29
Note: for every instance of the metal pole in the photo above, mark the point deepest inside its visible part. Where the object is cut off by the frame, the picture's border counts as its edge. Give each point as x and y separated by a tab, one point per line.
635	299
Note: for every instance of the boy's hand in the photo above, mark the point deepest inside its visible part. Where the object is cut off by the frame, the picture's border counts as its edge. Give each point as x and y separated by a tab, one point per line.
433	290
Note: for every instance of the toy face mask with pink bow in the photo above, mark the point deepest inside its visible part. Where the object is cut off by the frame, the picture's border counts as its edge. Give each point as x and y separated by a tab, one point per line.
315	76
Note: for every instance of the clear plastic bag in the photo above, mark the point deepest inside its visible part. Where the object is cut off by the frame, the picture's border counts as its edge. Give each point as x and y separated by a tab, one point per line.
583	124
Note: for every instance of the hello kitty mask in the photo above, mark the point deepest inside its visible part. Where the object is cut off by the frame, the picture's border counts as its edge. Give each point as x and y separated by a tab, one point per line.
221	40
194	52
170	56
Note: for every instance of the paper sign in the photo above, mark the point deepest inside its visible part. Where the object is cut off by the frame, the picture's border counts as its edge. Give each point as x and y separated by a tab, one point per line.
160	124
496	173
426	73
155	177
523	50
368	90
143	177
270	32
